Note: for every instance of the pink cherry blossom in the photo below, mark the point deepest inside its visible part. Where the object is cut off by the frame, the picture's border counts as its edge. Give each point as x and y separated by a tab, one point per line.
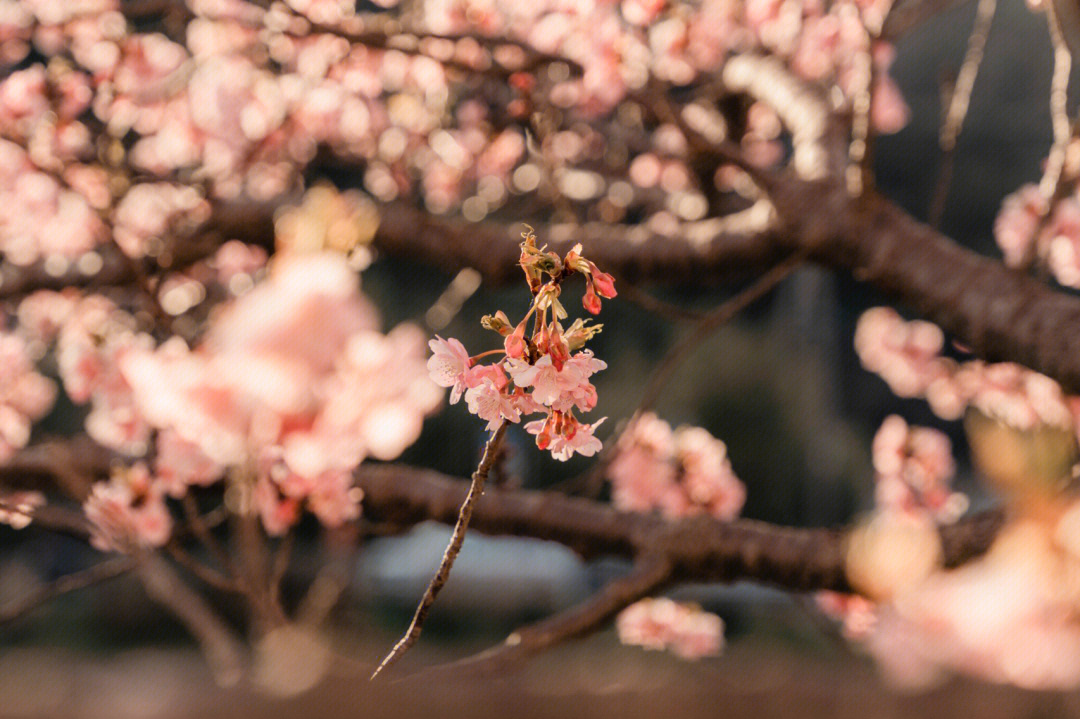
658	624
1017	222
180	464
128	512
17	507
487	401
448	364
904	354
914	466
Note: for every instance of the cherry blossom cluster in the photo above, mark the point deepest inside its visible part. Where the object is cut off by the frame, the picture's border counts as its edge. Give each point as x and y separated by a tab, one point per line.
913	470
620	45
913	467
25	394
661	623
1028	229
544	370
907	355
679	472
290	387
128	513
253	92
1007	617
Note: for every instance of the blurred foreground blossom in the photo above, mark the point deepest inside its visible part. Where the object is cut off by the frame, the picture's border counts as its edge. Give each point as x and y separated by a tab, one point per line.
291	388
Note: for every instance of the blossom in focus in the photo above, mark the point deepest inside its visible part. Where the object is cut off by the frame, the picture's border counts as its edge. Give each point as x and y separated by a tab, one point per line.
661	623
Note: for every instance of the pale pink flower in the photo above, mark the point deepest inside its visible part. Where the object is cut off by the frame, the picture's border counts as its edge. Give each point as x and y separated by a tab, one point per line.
180	464
152	211
488	402
17	507
914	466
334	499
662	623
278	513
707	477
905	354
1016	223
1060	240
25	395
128	512
448	363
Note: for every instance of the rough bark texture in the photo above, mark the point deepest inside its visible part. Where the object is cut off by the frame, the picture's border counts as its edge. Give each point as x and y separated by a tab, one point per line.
699	549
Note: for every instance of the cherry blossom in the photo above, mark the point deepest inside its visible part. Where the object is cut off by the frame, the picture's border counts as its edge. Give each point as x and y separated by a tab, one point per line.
448	364
684	629
293	377
681	472
128	513
914	466
25	395
17	508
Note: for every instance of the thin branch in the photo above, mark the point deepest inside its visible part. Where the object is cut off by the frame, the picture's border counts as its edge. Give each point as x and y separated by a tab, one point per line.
710	323
675	356
1059	116
666	310
959	102
100	572
476	488
203	533
222	649
206	574
649	574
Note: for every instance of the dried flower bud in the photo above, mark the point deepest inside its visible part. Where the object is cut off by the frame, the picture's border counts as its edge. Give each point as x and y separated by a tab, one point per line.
497	323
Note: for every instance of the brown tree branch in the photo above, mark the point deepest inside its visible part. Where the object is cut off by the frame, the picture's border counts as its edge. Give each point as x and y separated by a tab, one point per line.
100	572
699	549
649	574
457	538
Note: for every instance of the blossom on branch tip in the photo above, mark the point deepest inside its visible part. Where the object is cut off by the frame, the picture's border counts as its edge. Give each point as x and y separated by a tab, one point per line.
447	365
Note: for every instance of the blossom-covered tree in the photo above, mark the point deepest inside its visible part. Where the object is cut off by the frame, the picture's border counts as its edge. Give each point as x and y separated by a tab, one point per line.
191	191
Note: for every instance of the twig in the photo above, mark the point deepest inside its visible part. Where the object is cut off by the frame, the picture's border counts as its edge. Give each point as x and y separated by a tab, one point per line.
280	566
959	102
1059	116
204	573
201	529
649	574
222	649
491	450
677	354
100	572
654	305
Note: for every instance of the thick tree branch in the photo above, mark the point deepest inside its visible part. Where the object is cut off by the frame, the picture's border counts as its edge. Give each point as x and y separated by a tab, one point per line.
699	549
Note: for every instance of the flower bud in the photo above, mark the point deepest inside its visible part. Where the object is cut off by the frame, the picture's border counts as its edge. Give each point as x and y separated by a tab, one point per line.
497	323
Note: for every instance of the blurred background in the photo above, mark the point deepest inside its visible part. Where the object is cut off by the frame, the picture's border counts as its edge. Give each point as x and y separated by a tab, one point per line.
781	386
